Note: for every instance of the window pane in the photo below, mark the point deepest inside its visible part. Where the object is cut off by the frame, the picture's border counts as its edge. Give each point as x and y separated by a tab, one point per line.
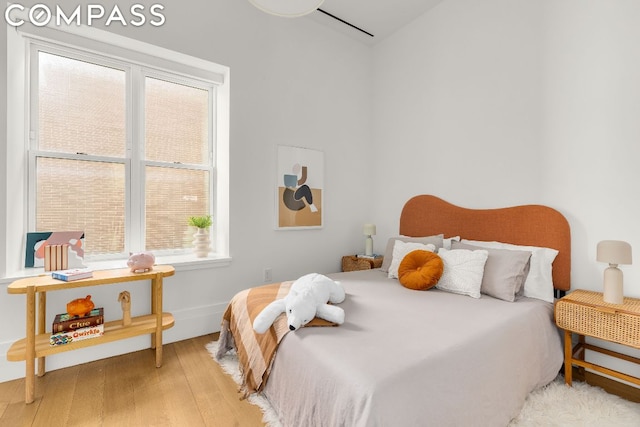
81	107
172	196
82	195
176	122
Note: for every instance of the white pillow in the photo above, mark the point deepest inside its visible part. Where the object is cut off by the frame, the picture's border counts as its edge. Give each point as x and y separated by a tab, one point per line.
463	271
400	250
539	281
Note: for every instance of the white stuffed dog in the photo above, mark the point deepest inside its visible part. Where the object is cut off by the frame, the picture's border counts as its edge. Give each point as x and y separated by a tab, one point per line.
306	299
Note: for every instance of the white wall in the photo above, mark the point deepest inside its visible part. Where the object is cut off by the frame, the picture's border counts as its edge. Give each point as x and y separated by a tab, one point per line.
503	102
457	108
591	131
294	82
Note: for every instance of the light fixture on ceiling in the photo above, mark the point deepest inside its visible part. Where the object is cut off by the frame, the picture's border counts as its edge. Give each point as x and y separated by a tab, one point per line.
287	8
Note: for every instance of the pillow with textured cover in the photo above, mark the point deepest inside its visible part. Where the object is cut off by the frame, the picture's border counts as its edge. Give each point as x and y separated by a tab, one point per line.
463	271
504	271
420	270
400	250
388	253
539	281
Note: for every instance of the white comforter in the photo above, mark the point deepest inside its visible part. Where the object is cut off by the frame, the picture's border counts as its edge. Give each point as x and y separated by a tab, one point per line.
415	358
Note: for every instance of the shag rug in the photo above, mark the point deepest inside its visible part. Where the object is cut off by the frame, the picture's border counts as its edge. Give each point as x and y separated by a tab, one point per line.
554	405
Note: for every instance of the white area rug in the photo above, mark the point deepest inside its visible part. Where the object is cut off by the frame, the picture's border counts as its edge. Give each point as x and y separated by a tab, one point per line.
555	405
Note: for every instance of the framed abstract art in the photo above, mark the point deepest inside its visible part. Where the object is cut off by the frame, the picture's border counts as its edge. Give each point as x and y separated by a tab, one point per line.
36	242
299	188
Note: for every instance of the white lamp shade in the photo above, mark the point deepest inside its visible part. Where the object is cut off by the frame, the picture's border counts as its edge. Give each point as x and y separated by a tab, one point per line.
614	252
369	230
287	8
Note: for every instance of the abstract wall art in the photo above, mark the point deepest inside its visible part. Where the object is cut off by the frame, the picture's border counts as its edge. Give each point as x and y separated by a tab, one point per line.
299	189
36	242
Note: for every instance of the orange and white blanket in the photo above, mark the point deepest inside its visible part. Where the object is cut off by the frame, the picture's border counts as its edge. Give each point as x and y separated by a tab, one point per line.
255	351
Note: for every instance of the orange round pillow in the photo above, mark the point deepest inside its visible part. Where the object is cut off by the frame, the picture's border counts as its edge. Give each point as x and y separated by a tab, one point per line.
420	270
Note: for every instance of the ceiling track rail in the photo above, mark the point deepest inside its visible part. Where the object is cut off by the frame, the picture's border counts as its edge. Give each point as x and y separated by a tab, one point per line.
345	22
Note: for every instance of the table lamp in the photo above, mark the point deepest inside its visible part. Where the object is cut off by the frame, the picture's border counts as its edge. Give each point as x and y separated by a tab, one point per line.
369	230
287	8
614	252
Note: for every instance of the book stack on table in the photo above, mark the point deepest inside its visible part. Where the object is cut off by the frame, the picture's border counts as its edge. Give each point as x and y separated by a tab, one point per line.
67	329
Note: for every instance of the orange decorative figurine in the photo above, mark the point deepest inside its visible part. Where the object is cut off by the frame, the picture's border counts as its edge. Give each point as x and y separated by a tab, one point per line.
80	307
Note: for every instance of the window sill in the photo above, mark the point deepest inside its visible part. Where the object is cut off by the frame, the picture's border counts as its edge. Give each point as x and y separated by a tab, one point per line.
184	262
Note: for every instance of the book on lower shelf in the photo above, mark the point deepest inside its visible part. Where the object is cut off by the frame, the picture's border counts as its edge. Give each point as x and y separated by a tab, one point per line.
64	322
62	338
73	274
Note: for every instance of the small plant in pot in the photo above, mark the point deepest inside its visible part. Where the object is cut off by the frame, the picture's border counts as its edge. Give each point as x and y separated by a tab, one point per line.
200	221
201	237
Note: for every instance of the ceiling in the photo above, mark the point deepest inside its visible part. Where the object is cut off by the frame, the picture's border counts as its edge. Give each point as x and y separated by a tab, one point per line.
378	17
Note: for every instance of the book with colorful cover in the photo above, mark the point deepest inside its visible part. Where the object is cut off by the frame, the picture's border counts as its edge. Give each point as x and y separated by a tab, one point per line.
64	322
62	338
73	274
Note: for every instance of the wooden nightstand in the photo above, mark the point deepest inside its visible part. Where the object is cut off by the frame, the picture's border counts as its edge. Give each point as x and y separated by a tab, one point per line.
355	263
586	314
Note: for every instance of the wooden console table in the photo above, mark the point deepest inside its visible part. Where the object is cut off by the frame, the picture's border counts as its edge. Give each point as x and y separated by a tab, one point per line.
36	344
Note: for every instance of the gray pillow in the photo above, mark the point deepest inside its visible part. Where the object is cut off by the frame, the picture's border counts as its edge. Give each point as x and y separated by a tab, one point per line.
504	272
388	253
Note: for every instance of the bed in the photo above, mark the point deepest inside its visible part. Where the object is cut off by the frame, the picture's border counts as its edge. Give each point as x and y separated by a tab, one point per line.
405	357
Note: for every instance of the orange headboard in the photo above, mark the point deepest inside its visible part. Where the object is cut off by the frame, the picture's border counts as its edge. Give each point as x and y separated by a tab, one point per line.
531	225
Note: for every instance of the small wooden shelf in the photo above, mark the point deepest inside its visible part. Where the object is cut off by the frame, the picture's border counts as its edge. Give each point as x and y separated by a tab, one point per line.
113	331
35	346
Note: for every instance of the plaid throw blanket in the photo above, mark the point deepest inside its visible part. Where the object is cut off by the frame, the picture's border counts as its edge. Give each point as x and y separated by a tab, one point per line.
255	351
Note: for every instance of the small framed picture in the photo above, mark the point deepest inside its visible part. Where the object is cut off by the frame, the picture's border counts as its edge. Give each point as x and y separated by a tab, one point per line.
299	188
37	241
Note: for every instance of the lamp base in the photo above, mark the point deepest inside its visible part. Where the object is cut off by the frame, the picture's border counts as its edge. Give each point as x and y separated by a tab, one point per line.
613	289
368	246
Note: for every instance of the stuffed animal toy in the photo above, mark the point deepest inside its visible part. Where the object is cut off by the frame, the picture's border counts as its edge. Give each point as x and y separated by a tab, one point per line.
306	299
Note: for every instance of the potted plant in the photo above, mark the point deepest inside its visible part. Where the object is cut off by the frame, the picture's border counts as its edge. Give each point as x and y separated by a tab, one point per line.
203	221
201	236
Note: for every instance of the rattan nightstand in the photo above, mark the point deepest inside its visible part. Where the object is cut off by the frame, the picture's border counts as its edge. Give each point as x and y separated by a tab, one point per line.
586	314
355	263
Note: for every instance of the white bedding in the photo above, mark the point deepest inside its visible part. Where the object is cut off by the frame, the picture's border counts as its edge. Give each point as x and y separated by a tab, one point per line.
415	358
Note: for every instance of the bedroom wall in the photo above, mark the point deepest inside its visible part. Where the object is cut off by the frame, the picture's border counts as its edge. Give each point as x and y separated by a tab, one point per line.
504	102
293	82
457	108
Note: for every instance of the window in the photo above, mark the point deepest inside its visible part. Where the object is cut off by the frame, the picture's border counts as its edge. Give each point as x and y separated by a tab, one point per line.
119	151
122	139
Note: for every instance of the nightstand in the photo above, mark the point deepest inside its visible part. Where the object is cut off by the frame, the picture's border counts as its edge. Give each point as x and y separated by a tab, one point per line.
586	314
355	263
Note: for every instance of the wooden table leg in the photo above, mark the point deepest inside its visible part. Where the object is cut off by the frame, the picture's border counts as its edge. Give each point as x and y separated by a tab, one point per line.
153	308
42	315
568	355
30	356
582	354
157	290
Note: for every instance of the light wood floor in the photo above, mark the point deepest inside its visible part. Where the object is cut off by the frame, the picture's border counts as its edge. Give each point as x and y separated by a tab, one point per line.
189	389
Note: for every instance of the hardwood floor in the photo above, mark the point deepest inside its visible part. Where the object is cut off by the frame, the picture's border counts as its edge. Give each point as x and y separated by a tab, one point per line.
189	389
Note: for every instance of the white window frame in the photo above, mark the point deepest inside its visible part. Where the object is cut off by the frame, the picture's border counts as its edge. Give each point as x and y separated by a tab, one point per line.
151	59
